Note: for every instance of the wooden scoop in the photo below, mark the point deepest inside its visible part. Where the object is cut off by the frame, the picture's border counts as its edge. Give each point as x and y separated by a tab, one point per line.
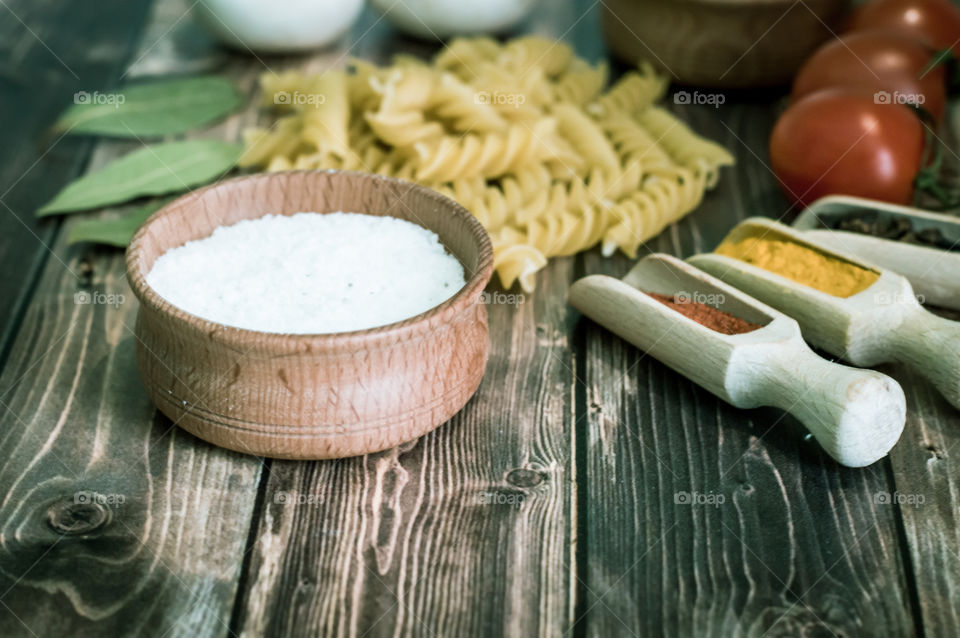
881	324
856	415
933	272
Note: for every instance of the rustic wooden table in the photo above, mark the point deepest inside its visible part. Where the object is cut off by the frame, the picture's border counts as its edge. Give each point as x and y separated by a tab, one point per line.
586	489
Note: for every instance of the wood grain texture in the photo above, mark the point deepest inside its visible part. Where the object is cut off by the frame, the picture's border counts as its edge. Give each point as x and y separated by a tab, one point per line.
737	526
715	521
546	507
925	491
112	521
466	532
307	396
42	63
924	470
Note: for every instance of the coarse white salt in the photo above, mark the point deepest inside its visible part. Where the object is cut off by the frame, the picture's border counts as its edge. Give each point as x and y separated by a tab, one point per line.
309	273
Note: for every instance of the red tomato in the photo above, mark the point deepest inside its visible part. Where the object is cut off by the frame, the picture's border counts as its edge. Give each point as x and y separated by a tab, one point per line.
887	63
840	141
933	21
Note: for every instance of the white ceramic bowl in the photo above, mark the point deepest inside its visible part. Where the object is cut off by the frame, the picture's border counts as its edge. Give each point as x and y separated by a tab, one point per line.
277	26
444	18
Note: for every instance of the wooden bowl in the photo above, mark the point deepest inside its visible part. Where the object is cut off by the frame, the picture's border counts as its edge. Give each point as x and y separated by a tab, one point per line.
722	43
311	396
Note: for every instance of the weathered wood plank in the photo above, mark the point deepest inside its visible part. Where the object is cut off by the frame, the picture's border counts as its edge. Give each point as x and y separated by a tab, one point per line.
159	551
75	419
478	528
706	520
925	471
42	63
927	494
467	531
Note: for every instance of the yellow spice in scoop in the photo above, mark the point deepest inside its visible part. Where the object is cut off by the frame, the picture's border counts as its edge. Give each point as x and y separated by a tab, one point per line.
801	264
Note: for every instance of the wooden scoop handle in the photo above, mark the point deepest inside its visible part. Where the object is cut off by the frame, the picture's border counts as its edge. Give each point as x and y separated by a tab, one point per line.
931	345
856	415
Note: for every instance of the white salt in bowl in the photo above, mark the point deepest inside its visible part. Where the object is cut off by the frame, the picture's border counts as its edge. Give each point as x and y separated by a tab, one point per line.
303	396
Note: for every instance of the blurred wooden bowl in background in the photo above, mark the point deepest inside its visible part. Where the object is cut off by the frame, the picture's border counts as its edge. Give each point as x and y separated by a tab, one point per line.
722	43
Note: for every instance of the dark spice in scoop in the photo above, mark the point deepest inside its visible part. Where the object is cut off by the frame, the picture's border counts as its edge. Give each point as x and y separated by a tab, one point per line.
708	316
868	222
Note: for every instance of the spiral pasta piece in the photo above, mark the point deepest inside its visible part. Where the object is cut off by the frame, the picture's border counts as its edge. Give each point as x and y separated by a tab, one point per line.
262	145
632	93
530	52
635	144
463	109
645	213
517	262
325	126
581	84
490	155
404	128
464	55
520	133
683	145
586	137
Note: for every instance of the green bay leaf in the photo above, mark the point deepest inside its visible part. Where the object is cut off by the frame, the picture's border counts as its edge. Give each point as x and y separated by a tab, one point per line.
152	108
152	170
117	231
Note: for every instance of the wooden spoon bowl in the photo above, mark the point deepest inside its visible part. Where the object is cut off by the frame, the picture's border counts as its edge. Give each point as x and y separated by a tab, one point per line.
311	396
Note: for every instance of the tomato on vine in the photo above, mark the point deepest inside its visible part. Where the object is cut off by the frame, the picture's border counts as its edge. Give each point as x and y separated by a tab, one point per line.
893	66
936	22
842	141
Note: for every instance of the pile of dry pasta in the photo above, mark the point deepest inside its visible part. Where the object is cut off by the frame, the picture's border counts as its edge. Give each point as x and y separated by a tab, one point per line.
521	133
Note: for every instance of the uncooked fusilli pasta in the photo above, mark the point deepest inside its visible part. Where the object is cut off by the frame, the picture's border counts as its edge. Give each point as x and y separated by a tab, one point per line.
521	133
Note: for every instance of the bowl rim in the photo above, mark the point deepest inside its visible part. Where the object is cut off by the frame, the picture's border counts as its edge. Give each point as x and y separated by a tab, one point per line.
255	340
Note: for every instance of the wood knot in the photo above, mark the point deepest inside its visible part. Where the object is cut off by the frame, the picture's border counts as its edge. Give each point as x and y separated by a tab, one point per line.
522	477
77	515
85	271
935	451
